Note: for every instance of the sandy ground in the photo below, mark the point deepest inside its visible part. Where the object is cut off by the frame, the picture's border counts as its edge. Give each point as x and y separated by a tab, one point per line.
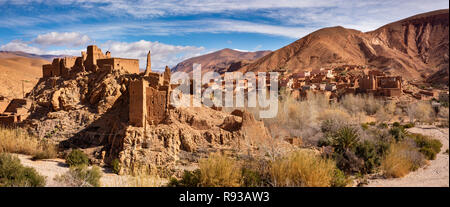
436	174
49	168
53	167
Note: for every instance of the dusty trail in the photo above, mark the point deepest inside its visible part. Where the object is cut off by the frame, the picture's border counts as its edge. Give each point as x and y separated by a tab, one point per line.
436	174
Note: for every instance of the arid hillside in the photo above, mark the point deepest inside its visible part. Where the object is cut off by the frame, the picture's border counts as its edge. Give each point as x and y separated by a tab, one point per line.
16	67
220	61
415	47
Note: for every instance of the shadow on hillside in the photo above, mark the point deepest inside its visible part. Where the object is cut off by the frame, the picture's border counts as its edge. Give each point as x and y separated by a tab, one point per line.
105	133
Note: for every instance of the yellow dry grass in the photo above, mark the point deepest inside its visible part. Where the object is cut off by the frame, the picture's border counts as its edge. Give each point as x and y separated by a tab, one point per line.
219	171
302	169
396	163
18	141
135	181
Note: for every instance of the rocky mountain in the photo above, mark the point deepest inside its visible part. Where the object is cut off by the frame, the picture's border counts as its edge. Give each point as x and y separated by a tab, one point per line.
416	48
220	61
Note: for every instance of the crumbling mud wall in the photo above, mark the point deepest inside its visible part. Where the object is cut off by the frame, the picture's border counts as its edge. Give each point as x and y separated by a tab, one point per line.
130	65
187	135
13	111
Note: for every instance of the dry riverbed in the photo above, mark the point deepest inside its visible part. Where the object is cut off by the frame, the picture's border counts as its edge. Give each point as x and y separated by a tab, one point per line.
53	167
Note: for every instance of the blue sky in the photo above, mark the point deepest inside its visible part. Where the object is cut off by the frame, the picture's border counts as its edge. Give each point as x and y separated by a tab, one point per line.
176	30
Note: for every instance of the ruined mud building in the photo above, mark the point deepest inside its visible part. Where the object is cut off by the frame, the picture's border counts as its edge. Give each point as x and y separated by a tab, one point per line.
149	93
149	97
13	111
91	60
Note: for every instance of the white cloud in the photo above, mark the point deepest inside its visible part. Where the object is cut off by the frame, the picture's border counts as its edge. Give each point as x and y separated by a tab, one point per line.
71	39
241	50
162	28
250	27
162	54
69	52
17	45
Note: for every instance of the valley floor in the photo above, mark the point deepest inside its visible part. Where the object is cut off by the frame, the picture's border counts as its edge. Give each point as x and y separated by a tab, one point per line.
435	174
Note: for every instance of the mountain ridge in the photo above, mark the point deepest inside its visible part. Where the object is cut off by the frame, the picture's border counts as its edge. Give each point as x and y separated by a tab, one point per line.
219	61
412	47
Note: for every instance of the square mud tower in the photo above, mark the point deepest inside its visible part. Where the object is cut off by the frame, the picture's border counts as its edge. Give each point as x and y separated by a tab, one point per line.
47	70
56	67
156	105
67	63
93	54
137	108
148	102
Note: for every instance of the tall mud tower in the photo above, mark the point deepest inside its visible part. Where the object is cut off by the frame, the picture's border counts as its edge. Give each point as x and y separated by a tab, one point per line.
148	69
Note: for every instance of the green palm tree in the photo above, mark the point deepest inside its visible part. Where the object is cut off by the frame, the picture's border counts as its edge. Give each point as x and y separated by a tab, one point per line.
345	139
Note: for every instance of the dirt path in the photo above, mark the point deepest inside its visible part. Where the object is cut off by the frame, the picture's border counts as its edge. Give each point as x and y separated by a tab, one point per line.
436	174
53	167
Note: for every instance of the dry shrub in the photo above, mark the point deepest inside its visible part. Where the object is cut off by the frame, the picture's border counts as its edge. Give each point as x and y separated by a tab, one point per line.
391	107
219	171
400	159
14	174
18	141
355	104
372	104
143	177
298	117
144	180
427	146
382	116
444	115
80	176
302	114
421	111
336	114
303	169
